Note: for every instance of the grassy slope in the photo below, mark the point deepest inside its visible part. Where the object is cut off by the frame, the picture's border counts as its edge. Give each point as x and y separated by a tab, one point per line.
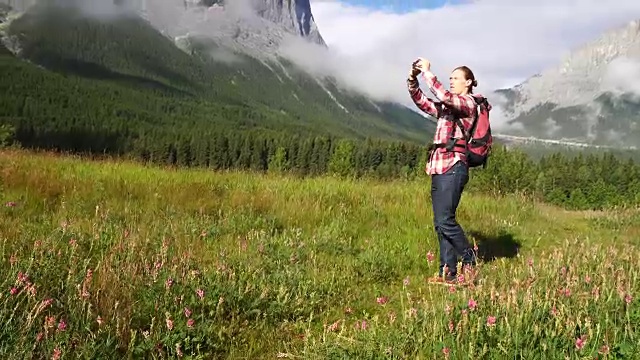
130	53
279	258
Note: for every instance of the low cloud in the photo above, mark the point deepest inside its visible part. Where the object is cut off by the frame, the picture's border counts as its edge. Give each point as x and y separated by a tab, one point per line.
502	41
622	75
225	55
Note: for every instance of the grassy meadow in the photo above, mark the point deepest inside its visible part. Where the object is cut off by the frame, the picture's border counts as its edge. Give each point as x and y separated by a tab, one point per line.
115	260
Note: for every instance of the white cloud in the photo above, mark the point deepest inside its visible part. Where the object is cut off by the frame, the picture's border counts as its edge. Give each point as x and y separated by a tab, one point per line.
502	41
622	76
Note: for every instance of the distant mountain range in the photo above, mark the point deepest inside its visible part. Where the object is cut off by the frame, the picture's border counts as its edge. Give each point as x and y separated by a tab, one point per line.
216	65
592	96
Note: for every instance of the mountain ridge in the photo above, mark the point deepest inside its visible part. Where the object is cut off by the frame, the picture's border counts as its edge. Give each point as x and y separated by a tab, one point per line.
590	96
226	88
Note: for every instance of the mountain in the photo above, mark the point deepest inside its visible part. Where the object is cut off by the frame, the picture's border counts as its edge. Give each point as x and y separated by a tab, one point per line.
139	70
592	96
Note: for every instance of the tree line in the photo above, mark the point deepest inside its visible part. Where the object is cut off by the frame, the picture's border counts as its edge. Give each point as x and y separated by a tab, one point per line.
575	181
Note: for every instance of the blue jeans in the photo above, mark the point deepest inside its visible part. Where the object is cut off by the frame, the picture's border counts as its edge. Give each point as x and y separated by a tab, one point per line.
446	191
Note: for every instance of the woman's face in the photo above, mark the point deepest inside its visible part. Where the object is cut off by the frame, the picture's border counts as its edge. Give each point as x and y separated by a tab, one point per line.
457	83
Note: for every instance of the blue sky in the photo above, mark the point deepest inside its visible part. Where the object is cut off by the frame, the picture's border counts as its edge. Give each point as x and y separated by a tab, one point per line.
399	6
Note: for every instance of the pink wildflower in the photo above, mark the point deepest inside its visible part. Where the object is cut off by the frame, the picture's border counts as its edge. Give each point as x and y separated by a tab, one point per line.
472	304
14	291
168	283
604	350
405	282
56	354
628	299
200	293
430	256
334	326
31	289
190	323
580	342
11	204
169	324
187	312
382	300
22	278
62	325
50	321
491	320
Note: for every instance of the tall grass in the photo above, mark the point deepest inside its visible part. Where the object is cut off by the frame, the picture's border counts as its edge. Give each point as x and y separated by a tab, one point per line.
114	260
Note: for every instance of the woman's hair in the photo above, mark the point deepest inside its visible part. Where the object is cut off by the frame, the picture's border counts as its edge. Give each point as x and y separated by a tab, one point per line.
468	75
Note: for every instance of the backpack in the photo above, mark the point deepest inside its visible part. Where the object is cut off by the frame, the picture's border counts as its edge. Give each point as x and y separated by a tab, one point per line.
478	141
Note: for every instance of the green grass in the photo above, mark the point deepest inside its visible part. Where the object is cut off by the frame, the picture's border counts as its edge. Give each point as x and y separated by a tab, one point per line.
295	267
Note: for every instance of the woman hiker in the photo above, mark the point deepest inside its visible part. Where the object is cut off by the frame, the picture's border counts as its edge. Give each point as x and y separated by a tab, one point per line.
448	169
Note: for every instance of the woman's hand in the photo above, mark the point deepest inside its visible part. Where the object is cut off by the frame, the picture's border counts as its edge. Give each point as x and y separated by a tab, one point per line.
423	64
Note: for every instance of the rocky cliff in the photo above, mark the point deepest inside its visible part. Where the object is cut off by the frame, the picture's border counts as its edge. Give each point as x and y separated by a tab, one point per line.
256	27
592	95
270	19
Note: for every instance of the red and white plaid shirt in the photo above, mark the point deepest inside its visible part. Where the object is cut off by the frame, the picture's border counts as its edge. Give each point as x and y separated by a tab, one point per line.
461	106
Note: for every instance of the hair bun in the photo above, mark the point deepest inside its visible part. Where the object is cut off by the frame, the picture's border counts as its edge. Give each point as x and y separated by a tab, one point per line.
474	83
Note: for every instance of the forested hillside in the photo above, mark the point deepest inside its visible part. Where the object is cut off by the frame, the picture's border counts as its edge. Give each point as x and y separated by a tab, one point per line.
119	85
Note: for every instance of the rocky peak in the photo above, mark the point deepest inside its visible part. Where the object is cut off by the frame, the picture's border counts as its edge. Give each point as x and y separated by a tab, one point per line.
257	27
583	74
294	15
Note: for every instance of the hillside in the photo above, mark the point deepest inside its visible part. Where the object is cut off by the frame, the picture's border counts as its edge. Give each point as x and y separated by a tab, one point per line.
591	96
114	260
123	84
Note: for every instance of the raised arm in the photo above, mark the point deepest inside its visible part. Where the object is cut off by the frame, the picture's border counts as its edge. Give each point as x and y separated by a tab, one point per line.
463	104
419	98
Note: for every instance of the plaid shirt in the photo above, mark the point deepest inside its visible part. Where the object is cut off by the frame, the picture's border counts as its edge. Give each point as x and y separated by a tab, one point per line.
463	107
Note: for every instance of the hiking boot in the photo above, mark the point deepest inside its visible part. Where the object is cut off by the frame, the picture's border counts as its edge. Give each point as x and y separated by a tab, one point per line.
443	280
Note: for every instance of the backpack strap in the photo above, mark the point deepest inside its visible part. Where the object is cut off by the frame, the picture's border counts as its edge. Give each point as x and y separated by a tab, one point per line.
467	135
453	141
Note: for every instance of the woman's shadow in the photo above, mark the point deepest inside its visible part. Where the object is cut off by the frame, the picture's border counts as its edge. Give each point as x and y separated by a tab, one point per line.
492	247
